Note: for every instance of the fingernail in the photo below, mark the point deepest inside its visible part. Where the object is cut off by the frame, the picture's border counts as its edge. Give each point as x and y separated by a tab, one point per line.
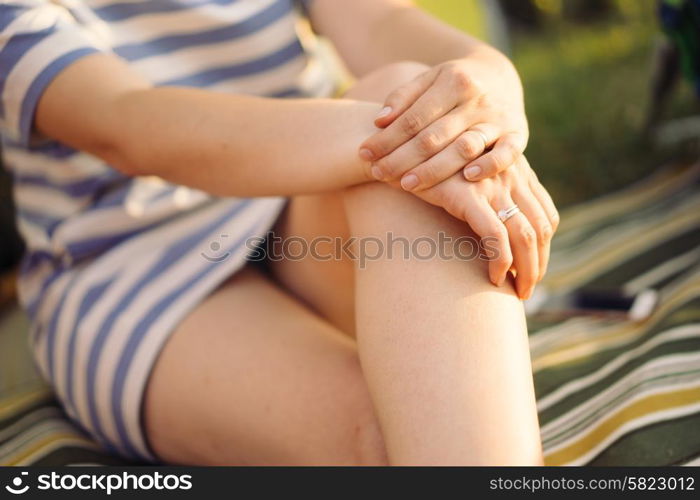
366	154
409	182
473	172
525	294
386	110
377	173
501	281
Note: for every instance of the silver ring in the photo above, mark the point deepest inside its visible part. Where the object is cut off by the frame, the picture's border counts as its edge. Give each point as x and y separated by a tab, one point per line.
483	137
506	214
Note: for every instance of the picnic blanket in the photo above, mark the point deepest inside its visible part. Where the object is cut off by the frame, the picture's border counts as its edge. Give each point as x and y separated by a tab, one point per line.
610	391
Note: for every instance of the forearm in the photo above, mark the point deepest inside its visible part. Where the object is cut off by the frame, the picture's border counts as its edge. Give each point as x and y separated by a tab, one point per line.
224	144
409	33
370	34
245	146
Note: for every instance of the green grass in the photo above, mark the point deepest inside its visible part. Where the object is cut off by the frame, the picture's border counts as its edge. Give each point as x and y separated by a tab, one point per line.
586	96
587	90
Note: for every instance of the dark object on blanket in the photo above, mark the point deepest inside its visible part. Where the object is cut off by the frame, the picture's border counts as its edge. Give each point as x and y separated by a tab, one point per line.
11	247
634	306
604	302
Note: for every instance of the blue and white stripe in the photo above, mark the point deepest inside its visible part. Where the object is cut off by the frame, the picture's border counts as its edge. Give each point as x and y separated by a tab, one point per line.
114	263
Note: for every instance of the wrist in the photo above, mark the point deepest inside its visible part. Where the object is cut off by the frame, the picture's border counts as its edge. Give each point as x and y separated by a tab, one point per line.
496	71
363	127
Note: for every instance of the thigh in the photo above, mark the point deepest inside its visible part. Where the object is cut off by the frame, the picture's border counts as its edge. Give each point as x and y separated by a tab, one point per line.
316	271
253	377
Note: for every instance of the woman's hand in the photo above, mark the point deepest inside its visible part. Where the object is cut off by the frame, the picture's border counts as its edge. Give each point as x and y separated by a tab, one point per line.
459	114
523	241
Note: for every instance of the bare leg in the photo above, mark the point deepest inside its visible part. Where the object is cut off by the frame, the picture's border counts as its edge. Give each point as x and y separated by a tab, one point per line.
251	377
444	352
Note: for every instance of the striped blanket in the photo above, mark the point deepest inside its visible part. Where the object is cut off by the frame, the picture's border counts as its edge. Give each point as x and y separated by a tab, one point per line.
610	391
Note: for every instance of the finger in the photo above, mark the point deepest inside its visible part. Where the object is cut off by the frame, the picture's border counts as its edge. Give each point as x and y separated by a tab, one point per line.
426	144
463	203
545	200
494	237
400	99
504	154
523	242
539	221
462	150
435	103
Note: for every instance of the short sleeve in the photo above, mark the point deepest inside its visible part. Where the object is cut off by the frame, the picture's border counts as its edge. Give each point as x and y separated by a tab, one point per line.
38	39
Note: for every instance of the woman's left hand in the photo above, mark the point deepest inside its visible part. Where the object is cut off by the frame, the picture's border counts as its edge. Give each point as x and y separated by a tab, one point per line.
522	242
459	114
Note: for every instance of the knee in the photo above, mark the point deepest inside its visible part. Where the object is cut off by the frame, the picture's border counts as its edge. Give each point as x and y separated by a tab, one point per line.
376	85
400	211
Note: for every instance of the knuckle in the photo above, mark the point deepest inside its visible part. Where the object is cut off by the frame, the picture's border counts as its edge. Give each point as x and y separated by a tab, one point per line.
376	144
428	143
461	80
411	124
527	237
545	232
427	173
502	160
511	175
483	100
496	162
508	153
466	147
554	217
388	167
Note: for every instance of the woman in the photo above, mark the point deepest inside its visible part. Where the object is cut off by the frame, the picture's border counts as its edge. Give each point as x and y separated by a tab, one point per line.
139	195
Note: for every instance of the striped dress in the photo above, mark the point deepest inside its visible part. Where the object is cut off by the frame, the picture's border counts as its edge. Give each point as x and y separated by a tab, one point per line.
113	263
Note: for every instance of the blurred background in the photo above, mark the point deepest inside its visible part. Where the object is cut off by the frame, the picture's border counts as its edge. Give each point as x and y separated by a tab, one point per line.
588	68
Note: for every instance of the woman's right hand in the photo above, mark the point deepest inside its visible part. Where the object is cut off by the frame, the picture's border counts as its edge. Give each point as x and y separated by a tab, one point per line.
523	241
